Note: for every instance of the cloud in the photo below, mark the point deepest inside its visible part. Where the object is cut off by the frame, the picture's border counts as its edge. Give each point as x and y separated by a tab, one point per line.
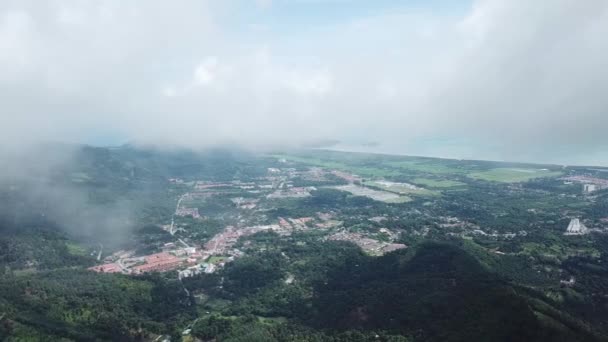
205	72
525	78
38	190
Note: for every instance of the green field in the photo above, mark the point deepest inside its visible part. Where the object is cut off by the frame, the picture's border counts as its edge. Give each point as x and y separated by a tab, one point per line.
216	259
425	166
75	249
386	167
437	183
390	168
557	250
512	175
402	188
363	171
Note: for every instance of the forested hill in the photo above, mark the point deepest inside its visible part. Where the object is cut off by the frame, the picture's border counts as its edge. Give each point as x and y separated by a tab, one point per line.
441	294
433	292
437	293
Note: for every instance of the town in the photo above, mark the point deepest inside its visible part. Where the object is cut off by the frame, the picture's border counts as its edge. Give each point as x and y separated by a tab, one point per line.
249	202
194	257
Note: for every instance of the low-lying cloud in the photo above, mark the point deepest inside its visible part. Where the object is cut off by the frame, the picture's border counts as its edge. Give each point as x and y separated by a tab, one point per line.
516	79
38	191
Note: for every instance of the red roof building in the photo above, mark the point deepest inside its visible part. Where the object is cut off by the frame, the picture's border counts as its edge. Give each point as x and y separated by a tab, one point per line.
159	262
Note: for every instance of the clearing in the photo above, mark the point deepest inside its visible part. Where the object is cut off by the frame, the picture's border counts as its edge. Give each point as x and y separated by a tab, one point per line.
363	171
426	166
401	188
216	259
383	196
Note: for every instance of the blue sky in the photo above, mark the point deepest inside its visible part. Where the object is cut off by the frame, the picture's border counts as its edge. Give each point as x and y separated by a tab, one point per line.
289	17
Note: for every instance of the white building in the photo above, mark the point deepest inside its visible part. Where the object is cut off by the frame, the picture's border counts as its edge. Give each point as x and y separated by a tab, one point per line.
576	228
589	188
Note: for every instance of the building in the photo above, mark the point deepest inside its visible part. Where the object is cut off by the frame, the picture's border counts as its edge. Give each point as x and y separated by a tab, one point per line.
589	188
284	224
576	228
159	262
209	268
187	212
590	184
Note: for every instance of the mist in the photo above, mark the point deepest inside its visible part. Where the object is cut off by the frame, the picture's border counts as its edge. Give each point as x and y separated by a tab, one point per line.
486	79
40	188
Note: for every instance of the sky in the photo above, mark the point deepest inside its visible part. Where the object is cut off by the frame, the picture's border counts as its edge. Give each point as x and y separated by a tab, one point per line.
512	80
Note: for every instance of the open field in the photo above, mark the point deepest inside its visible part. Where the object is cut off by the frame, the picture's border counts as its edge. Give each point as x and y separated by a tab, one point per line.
388	167
426	166
382	196
75	249
400	199
383	168
363	171
437	183
557	250
216	259
401	188
310	160
381	165
512	175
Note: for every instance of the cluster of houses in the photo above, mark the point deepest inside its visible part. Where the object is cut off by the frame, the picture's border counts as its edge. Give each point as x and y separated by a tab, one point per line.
590	184
369	245
169	259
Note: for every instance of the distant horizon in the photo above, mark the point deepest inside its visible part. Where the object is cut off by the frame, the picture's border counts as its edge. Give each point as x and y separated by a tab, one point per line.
360	148
374	150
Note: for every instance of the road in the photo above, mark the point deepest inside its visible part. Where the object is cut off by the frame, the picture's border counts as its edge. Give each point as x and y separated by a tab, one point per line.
171	229
100	251
184	243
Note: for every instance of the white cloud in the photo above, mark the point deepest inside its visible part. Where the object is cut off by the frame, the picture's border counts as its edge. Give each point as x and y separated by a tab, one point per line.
311	82
206	71
525	76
